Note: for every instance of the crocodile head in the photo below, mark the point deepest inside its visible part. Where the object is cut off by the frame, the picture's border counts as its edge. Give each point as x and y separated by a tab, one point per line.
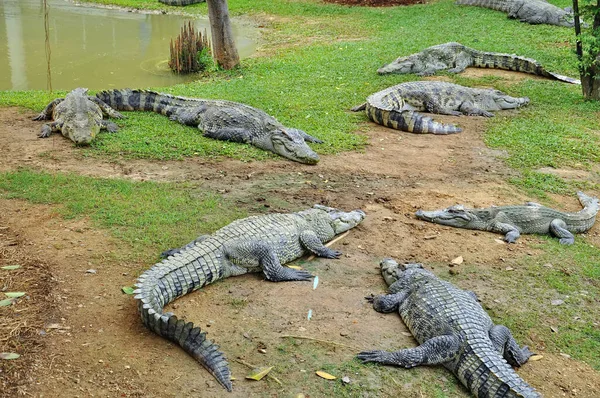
401	65
81	130
454	216
81	127
341	221
399	274
290	143
496	100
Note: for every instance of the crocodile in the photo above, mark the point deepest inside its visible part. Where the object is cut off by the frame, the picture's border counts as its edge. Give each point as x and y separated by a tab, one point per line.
180	2
253	244
454	57
78	116
221	120
453	330
396	106
530	11
531	218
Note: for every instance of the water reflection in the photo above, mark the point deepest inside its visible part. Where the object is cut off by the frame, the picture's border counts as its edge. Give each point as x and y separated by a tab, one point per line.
91	47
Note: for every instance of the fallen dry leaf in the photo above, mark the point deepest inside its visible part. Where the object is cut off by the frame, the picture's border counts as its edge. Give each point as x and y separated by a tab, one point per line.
325	375
259	373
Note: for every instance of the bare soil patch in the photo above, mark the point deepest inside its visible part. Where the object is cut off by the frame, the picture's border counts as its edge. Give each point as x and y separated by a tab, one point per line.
106	351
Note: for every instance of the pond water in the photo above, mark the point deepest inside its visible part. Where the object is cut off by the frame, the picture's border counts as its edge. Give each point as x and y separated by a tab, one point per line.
97	48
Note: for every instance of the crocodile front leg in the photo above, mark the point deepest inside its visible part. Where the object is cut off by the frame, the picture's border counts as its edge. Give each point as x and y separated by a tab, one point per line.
256	252
50	128
46	114
506	345
307	137
469	109
435	351
558	228
311	241
109	126
386	303
511	233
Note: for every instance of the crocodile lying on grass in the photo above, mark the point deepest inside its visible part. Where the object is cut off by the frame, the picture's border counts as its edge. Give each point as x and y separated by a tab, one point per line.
531	218
78	116
530	11
180	2
395	106
221	120
253	244
454	57
453	330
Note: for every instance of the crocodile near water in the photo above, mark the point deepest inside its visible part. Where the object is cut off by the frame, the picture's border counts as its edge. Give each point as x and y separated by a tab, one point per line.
453	330
78	116
531	218
454	57
253	244
396	106
221	120
530	11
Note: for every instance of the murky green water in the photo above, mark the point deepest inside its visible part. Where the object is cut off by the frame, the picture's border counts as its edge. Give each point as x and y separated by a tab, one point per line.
91	47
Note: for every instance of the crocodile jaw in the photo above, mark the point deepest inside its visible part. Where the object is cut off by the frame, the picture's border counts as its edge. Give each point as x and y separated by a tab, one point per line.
342	221
291	145
455	216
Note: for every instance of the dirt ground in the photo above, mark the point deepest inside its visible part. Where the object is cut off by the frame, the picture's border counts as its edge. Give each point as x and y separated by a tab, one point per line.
87	340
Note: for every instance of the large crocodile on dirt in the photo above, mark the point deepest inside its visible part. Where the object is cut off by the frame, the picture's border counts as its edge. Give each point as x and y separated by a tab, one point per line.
221	120
253	244
180	2
530	11
395	106
454	57
531	218
453	330
78	116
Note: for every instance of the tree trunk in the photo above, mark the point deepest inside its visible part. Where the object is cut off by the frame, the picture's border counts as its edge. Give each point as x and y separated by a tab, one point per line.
590	74
223	46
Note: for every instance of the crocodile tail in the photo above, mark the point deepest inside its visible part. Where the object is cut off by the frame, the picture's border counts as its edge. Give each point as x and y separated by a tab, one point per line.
486	374
516	63
499	5
143	100
590	203
162	284
410	121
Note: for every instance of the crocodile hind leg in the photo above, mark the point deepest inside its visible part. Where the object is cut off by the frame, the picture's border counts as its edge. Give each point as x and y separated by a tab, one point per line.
254	253
435	351
462	62
170	252
506	345
311	241
558	228
50	128
46	114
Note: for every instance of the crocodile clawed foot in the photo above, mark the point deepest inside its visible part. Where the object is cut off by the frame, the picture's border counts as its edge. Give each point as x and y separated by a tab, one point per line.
372	356
332	254
46	131
370	298
567	241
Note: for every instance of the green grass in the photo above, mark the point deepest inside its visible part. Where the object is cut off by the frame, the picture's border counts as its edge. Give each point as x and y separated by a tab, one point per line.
146	215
